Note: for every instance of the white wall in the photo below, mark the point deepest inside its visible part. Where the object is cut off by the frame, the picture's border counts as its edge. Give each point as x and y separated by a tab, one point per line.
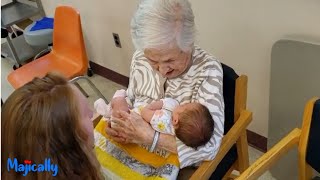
240	33
100	18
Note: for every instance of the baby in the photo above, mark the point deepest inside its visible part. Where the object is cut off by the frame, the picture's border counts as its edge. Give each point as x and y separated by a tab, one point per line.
192	122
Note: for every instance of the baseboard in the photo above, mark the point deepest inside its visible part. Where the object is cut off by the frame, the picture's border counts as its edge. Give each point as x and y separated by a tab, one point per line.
255	140
109	74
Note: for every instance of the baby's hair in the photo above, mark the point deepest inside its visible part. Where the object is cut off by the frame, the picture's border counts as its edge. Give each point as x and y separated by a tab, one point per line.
195	126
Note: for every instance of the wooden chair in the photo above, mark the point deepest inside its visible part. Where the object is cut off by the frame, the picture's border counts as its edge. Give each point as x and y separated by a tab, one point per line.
307	139
233	153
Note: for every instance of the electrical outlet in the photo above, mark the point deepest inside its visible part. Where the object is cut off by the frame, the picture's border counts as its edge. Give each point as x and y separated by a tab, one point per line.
116	40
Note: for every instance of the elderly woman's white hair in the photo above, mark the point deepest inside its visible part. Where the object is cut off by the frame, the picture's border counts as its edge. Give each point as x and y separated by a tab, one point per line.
162	23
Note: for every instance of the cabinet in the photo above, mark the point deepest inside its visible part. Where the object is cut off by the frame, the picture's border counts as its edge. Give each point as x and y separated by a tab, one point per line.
14	12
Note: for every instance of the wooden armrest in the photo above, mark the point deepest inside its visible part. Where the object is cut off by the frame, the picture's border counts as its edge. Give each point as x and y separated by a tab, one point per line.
96	119
273	155
208	167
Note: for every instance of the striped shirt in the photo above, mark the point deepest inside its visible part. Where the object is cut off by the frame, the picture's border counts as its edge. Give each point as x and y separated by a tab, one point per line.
201	83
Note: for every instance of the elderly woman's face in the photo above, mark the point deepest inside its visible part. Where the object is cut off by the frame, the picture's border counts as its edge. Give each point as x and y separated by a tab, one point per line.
169	63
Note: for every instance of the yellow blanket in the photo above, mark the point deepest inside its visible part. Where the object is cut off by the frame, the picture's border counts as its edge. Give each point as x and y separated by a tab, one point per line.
131	161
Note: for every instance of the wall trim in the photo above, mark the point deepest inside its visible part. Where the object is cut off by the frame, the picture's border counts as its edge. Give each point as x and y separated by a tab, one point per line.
109	74
255	140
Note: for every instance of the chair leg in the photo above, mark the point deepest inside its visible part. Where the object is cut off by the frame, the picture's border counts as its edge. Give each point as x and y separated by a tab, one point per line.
305	170
227	176
41	53
243	155
95	89
81	89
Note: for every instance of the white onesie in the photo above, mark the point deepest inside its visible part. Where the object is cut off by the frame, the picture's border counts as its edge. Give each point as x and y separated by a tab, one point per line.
161	120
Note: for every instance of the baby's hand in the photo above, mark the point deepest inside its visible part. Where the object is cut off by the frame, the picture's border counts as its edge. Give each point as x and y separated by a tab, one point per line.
156	105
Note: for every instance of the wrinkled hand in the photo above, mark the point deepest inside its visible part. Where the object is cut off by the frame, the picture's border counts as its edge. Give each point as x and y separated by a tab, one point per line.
131	128
115	114
119	104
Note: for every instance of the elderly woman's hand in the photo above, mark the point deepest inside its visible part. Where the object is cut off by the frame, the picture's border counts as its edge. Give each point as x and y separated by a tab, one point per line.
131	128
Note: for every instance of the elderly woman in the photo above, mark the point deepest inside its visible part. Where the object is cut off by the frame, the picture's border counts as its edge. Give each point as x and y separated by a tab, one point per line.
168	64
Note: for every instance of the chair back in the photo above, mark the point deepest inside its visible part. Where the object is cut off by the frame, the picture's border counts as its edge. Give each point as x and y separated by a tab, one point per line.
313	146
229	91
68	38
307	140
309	147
235	95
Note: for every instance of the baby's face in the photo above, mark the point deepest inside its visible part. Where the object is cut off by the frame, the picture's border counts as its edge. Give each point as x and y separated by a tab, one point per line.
181	108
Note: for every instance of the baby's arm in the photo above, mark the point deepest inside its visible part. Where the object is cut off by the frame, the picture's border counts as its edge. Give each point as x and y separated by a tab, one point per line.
155	105
147	114
148	111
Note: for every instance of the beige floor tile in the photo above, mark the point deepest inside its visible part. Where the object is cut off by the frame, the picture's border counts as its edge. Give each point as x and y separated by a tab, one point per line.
254	154
106	86
6	88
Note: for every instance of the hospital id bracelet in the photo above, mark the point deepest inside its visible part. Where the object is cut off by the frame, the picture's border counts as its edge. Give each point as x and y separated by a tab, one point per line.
155	141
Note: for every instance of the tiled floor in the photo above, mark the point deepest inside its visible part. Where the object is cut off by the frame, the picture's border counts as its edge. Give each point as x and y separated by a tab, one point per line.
6	88
107	88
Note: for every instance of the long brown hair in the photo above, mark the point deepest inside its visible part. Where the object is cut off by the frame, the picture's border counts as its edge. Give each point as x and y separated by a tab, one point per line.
41	120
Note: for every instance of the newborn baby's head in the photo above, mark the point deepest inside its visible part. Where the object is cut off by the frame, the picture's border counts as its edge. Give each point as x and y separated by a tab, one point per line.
193	124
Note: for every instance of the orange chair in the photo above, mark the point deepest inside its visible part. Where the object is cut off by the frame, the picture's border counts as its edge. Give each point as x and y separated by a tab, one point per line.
68	55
